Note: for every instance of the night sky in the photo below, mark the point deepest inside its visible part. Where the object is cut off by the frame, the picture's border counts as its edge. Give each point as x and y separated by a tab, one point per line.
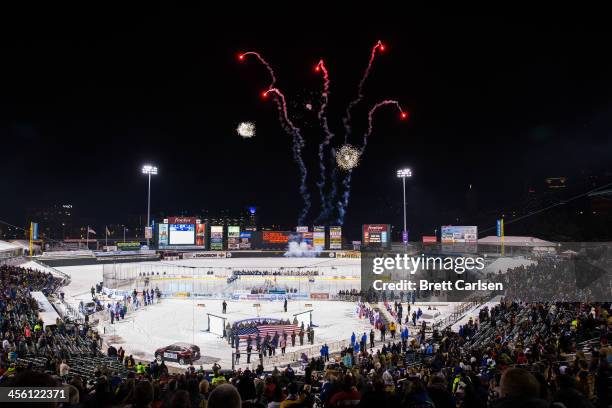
496	103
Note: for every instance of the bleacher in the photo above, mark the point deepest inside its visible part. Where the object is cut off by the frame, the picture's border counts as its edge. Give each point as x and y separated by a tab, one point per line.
83	366
80	253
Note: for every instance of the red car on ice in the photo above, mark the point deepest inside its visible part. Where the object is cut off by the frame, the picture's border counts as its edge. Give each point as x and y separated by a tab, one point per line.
183	353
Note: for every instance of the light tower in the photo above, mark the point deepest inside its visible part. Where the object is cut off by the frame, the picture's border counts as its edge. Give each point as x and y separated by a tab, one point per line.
149	170
403	174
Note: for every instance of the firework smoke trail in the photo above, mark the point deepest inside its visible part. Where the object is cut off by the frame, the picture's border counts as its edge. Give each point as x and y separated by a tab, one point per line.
379	46
403	115
298	141
325	205
261	59
347	179
334	182
343	202
298	144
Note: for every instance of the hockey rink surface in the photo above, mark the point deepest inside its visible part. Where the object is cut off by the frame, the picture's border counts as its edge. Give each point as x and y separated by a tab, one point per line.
185	320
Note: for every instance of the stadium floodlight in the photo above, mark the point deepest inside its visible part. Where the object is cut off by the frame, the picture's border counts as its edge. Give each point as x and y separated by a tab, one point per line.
403	174
149	170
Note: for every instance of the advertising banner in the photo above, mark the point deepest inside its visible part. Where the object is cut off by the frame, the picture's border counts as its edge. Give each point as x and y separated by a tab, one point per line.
216	237
275	239
269	296
233	237
128	246
210	254
429	239
301	229
451	234
318	236
148	233
335	237
162	237
182	234
377	235
348	254
201	235
182	220
307	238
245	240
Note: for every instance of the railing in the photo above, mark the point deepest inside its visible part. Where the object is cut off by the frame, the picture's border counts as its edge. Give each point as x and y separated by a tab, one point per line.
291	356
460	311
72	313
66	277
385	314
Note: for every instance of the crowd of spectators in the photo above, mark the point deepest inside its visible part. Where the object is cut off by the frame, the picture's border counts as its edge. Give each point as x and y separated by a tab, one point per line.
559	280
25	334
511	354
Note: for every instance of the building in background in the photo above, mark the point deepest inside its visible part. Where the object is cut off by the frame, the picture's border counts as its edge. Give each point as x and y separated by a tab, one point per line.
56	222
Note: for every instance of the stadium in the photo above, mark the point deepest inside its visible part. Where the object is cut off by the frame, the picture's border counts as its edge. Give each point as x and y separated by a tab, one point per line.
267	309
197	216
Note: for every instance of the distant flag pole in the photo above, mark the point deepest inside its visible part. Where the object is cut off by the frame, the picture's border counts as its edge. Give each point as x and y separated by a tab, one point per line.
502	236
31	235
93	232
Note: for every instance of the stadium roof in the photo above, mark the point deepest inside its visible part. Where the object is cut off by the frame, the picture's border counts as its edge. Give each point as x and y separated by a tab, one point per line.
516	241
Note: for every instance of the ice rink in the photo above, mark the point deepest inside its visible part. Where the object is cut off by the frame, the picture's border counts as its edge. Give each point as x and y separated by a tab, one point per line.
337	274
185	319
175	320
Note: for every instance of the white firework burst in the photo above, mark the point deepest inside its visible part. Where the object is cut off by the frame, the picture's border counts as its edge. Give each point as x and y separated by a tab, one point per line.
347	157
246	129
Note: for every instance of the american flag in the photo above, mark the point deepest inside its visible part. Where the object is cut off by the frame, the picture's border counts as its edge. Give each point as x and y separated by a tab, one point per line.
263	331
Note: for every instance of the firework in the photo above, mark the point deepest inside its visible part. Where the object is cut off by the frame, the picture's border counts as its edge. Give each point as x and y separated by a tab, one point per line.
246	129
380	47
243	56
403	116
347	157
325	201
298	144
347	178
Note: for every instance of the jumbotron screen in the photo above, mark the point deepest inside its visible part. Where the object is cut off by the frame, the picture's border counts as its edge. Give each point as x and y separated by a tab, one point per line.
182	234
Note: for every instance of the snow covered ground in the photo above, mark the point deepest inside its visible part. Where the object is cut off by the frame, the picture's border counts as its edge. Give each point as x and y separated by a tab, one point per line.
82	278
182	320
185	320
175	320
